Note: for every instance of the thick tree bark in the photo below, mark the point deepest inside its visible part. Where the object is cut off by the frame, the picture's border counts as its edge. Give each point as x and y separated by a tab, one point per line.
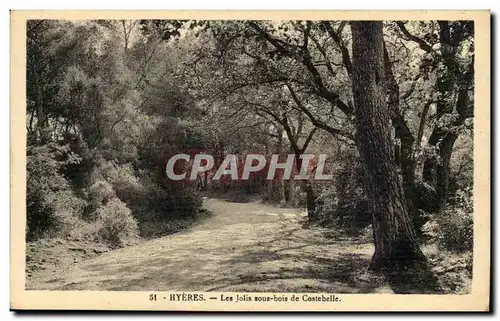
396	247
404	152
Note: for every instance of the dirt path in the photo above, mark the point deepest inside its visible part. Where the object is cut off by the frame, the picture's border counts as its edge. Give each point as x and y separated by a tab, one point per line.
242	247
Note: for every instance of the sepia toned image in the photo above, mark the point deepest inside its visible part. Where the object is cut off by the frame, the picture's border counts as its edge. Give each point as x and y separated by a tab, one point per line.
251	161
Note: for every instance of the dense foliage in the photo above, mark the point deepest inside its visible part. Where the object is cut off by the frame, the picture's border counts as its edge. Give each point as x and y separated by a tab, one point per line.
108	102
102	117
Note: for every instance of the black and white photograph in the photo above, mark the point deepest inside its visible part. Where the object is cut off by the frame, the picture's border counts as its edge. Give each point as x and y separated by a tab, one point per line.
254	161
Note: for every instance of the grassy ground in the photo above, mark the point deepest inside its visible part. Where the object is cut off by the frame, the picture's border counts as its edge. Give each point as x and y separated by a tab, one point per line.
242	247
454	270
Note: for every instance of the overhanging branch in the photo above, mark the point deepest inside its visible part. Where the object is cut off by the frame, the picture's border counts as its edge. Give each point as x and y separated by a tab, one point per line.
421	42
316	122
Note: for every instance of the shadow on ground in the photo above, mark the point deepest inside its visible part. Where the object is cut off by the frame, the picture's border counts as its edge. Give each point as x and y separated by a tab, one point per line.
241	247
312	274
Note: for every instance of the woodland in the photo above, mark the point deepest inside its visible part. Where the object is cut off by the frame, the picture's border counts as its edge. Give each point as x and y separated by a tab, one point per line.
391	103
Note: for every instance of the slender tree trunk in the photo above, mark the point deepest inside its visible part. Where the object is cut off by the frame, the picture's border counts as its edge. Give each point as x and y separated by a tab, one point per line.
282	183
396	247
307	188
205	181
269	183
437	172
40	112
311	202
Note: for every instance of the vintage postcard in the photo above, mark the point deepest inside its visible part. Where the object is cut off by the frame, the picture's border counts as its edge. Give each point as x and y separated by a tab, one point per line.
250	160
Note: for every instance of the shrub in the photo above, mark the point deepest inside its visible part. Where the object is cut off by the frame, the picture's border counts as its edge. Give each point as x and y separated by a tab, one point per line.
145	195
118	226
452	228
53	214
123	181
425	196
344	203
350	213
100	193
174	201
51	205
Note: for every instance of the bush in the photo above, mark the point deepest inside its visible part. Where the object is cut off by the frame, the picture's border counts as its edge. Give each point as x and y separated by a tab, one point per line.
123	181
152	204
53	214
350	213
51	205
343	203
168	202
109	209
100	193
452	229
425	196
118	226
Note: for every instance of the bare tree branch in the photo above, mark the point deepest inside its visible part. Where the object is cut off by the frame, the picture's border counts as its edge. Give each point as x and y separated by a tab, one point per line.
308	140
346	60
421	42
423	120
408	93
322	50
314	120
305	58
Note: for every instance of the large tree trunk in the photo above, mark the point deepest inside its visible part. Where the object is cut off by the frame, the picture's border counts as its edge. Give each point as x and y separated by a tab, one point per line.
396	247
404	150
